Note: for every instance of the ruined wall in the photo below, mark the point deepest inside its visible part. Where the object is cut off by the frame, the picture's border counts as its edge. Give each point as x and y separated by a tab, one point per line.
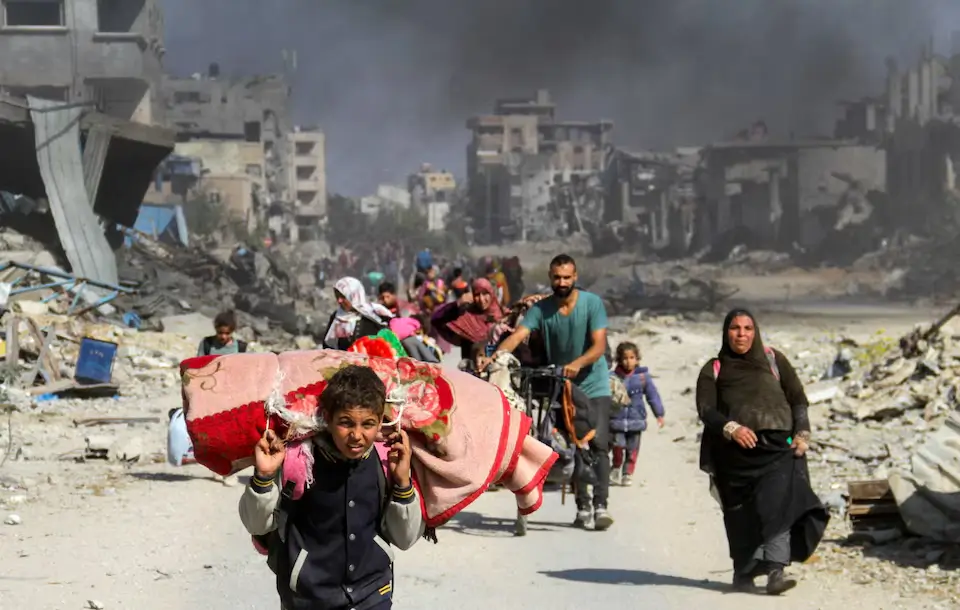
236	194
254	109
97	50
226	156
818	169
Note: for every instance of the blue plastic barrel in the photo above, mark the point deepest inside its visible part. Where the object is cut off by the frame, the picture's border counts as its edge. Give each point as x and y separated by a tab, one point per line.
95	362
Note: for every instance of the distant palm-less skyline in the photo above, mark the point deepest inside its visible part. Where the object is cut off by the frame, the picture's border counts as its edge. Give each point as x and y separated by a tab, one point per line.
393	83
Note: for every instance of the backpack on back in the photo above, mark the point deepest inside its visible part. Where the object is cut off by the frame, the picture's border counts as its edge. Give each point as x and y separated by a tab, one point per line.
208	346
771	358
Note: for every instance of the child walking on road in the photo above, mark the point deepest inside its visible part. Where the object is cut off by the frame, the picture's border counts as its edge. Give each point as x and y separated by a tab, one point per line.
629	424
330	548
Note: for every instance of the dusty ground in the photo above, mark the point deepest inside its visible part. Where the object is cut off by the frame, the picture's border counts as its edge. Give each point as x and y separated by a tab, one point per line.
151	536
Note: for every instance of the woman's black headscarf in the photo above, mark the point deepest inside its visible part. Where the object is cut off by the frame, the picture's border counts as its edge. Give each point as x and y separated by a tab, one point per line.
746	386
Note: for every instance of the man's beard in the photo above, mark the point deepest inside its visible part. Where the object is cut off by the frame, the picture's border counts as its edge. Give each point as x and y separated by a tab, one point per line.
562	291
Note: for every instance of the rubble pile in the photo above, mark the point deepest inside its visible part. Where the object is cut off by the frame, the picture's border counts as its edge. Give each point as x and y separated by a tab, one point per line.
869	426
671	288
172	280
916	265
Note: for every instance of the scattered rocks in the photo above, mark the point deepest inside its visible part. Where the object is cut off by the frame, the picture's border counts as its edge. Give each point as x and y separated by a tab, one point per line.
12	519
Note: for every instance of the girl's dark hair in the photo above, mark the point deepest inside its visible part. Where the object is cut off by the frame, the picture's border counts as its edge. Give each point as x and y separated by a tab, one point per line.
424	320
353	387
226	318
625	347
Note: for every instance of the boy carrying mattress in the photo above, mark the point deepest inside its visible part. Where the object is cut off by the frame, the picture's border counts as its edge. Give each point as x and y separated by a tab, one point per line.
330	548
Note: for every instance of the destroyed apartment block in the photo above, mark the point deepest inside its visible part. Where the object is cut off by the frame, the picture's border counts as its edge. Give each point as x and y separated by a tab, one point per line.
90	170
651	201
532	176
780	195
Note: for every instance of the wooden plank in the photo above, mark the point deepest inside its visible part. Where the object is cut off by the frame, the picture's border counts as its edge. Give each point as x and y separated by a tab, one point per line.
43	359
51	366
859	510
869	490
13	341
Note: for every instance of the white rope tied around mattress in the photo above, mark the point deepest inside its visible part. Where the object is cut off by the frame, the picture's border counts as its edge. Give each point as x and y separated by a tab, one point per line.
397	396
276	404
300	423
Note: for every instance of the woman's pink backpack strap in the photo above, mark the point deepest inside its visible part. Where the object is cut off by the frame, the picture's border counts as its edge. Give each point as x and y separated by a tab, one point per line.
771	358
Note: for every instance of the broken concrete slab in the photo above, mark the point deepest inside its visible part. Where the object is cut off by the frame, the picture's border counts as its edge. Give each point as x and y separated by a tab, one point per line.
822	391
32	308
192	325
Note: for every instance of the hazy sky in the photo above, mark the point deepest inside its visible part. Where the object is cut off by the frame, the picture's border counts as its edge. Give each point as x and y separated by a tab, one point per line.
393	82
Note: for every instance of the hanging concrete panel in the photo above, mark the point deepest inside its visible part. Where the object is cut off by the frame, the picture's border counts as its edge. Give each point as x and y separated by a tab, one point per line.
57	138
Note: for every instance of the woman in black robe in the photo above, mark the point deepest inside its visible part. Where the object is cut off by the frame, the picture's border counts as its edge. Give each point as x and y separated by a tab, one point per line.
754	444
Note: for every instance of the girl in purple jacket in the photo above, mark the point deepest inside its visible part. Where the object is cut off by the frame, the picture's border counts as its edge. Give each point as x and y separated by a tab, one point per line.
629	423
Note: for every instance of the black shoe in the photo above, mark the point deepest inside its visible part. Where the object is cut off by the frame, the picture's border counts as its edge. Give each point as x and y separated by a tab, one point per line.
777	582
743	583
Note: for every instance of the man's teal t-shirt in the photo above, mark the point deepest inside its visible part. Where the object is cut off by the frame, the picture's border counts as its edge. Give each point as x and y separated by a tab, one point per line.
568	337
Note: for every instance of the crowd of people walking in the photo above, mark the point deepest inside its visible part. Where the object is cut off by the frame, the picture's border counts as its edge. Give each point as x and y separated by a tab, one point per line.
749	398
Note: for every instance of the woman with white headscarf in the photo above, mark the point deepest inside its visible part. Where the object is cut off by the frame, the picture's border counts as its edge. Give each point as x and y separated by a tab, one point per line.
355	317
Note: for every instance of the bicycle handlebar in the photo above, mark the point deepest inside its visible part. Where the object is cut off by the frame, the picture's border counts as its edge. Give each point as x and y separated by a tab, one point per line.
541	371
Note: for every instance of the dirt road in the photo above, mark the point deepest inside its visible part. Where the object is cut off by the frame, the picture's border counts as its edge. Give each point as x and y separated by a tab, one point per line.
161	538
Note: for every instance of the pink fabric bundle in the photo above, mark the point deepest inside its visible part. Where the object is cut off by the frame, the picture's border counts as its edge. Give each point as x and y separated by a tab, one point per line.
485	441
404	327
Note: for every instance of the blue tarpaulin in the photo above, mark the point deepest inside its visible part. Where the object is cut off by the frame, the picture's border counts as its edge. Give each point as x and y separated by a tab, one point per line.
163	222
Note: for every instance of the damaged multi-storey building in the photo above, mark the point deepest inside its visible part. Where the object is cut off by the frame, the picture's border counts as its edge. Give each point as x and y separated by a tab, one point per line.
267	171
782	194
651	202
891	165
531	175
431	193
79	140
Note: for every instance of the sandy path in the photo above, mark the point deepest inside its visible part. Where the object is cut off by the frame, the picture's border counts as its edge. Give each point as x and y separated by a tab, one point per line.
171	539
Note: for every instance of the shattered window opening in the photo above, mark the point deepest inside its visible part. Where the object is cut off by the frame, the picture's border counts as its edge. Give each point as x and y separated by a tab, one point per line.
251	131
187	97
33	13
118	15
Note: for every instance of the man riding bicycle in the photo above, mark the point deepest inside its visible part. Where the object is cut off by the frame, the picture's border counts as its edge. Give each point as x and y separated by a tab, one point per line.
573	326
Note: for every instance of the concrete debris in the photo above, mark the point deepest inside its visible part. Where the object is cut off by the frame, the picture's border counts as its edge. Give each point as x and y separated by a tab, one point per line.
127	450
681	291
928	495
193	325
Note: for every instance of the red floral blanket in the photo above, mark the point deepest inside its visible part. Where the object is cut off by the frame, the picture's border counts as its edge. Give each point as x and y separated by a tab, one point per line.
464	434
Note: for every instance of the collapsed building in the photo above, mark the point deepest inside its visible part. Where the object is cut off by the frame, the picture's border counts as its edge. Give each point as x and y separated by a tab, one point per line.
891	167
783	194
79	139
532	176
651	200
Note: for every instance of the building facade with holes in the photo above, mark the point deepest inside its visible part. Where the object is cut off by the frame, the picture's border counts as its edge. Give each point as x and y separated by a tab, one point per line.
105	52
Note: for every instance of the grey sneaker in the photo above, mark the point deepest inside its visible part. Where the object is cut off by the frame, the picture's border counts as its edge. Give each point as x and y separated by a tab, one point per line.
584	519
627	480
602	519
616	477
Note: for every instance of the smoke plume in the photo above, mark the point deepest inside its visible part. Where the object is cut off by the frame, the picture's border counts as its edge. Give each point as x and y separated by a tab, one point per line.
392	83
